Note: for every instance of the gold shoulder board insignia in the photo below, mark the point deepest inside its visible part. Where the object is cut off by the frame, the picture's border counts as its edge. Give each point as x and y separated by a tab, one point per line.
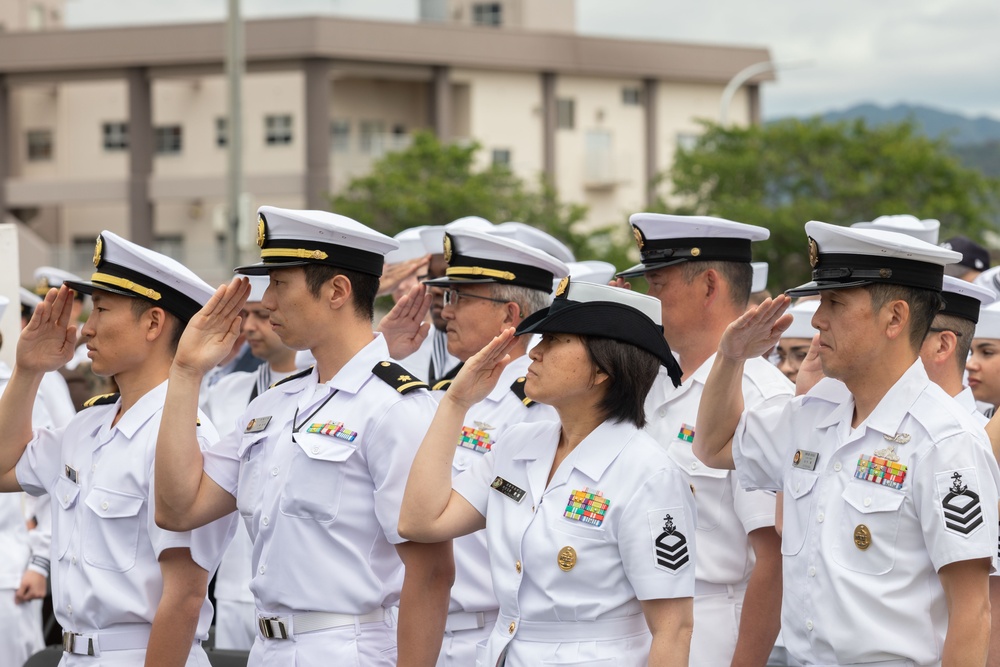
442	385
102	399
518	389
293	376
397	377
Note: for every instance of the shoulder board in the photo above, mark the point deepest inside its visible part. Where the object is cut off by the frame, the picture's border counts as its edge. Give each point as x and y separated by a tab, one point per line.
102	399
442	385
518	389
397	377
293	376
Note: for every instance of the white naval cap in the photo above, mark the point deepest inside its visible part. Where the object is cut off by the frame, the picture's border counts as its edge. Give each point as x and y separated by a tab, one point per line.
590	271
665	240
47	277
28	298
965	299
124	268
258	285
988	325
990	279
759	281
911	225
844	257
480	257
536	238
4	302
433	236
801	326
410	246
289	237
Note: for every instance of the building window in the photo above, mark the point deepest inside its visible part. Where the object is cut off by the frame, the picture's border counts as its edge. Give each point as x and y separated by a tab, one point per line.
631	97
686	141
221	132
81	254
39	145
115	136
278	130
168	139
340	136
565	113
487	13
371	137
501	157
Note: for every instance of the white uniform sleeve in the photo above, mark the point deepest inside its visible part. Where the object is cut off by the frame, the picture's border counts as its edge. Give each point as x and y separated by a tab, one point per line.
656	536
390	453
41	463
761	444
755	509
222	461
40	537
474	483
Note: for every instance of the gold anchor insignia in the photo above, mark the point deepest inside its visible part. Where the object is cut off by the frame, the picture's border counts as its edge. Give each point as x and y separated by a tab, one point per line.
261	231
563	285
637	233
862	537
813	252
566	558
98	248
447	249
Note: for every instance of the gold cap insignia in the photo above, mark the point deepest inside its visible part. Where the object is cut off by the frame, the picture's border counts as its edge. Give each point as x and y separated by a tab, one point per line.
813	252
261	231
695	252
98	248
42	287
447	249
566	559
637	233
563	286
862	537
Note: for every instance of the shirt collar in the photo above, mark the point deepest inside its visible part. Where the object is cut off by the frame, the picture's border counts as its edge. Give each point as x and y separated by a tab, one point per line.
890	411
352	375
594	454
150	403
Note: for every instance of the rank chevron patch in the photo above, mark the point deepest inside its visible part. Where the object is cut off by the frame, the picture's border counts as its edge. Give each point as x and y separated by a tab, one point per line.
670	547
962	510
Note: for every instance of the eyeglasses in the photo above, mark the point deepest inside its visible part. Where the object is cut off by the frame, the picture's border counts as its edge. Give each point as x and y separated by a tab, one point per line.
452	297
958	334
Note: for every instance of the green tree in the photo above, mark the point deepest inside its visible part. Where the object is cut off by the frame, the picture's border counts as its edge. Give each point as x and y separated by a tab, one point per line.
783	174
433	183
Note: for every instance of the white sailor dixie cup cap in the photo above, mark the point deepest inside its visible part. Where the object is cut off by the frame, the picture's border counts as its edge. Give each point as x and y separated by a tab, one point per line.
47	277
844	257
289	238
988	325
802	314
536	238
964	299
479	257
759	281
590	271
589	309
410	246
665	240
433	236
124	268
911	225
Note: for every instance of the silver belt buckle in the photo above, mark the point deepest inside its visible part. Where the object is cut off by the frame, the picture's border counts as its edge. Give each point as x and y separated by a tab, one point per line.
69	643
272	627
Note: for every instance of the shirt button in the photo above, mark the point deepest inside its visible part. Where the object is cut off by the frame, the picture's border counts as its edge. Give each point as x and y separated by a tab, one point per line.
315	450
104	505
517	566
868	502
73	560
265	521
510	628
93	467
797	486
812	572
821	517
69	608
809	625
662	412
65	497
261	569
837	466
694	465
274	472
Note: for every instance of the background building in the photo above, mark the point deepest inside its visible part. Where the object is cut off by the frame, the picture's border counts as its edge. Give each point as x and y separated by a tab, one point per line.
125	128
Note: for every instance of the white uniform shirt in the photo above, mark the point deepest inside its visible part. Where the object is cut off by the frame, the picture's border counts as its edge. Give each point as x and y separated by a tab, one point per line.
861	557
54	393
968	403
726	512
633	488
484	426
323	509
105	542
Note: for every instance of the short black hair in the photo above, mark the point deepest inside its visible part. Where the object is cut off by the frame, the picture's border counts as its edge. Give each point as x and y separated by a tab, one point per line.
631	372
140	306
925	304
364	286
739	275
964	330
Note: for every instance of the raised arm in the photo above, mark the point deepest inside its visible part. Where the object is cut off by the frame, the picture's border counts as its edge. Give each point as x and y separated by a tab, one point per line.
46	344
185	496
432	511
752	334
403	326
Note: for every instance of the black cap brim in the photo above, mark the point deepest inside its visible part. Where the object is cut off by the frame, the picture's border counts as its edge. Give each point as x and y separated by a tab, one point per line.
262	269
89	288
814	287
641	269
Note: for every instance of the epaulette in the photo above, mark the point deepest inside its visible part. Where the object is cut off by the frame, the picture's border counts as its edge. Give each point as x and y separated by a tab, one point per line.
397	377
293	376
442	385
518	389
102	399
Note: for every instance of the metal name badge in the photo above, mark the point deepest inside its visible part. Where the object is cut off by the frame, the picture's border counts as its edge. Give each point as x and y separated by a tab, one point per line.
512	491
71	474
805	460
257	424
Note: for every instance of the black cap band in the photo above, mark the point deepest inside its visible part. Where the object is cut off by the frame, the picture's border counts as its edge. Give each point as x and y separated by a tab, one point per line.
297	252
476	268
961	305
126	282
695	250
850	269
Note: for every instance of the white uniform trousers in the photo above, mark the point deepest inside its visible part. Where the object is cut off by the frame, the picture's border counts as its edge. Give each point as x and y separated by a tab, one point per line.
235	625
461	636
20	628
365	645
128	658
717	609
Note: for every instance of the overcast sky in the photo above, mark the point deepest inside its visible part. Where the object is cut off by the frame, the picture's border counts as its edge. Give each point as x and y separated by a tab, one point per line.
939	53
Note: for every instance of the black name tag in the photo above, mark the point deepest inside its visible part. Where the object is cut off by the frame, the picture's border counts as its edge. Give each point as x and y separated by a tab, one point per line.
508	489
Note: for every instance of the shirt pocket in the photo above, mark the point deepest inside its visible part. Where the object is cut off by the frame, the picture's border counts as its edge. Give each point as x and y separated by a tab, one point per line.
316	477
112	541
866	539
248	486
798	508
65	494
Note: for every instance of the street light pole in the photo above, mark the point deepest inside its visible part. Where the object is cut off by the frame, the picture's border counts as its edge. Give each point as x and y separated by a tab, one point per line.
234	126
745	75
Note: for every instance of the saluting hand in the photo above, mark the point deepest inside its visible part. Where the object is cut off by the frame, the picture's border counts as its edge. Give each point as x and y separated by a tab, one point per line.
757	330
49	340
404	327
213	330
810	370
479	375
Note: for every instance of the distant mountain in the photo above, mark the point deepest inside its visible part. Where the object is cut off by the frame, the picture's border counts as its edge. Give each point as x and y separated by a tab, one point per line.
959	130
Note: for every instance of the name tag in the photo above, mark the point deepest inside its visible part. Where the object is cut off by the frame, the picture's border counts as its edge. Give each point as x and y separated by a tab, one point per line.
71	474
804	459
506	488
257	424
